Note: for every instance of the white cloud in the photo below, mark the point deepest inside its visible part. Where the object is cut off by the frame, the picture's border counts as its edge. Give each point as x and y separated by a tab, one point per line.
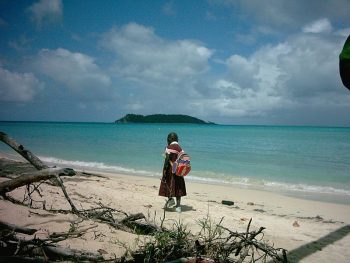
143	56
298	73
319	26
301	72
76	70
286	15
157	72
18	87
46	11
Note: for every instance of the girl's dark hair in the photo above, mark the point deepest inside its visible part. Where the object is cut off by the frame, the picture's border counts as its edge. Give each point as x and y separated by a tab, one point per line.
172	137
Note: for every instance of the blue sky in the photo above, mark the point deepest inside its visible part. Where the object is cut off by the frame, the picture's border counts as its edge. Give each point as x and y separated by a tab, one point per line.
272	62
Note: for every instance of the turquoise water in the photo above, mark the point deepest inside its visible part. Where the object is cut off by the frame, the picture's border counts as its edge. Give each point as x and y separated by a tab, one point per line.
310	162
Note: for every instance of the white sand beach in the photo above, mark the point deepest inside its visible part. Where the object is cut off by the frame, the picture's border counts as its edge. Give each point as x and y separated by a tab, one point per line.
311	231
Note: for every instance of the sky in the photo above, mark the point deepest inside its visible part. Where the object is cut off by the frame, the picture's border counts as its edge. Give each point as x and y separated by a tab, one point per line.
244	62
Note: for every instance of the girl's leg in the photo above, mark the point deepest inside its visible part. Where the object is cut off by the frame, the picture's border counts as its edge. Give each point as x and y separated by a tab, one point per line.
178	201
178	204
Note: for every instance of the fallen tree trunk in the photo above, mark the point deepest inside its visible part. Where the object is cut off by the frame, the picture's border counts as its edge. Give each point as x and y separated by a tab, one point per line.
15	249
18	229
53	252
26	179
28	155
20	259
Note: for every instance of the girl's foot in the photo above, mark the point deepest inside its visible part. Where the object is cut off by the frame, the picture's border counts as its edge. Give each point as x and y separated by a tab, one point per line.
170	203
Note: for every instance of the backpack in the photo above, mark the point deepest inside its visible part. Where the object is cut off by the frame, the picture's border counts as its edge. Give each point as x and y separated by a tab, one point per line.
182	165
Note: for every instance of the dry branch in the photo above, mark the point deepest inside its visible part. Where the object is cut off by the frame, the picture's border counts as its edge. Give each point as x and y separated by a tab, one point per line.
38	176
15	249
60	182
14	228
214	243
53	252
28	155
44	173
20	259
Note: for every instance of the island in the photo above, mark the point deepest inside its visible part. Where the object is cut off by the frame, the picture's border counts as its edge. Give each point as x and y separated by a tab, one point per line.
160	118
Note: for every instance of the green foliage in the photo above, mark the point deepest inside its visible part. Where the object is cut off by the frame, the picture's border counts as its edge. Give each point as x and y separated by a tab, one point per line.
168	245
160	118
213	242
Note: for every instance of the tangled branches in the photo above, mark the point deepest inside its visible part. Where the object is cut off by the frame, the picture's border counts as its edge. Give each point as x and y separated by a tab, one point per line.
214	243
17	245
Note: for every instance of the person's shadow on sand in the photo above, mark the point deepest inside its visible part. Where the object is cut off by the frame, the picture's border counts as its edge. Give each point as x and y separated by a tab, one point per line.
184	208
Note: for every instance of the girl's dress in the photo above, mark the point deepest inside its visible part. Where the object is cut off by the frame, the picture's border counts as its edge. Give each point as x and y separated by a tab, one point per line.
171	185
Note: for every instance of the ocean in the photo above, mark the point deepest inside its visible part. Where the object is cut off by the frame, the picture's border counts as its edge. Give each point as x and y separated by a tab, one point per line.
305	162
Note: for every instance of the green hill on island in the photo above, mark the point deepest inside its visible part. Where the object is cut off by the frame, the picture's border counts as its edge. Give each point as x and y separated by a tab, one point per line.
160	118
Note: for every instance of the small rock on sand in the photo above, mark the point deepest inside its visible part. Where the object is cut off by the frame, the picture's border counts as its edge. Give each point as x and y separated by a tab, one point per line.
296	224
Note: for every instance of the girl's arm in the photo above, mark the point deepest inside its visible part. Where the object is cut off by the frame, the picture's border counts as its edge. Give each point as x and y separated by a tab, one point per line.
166	163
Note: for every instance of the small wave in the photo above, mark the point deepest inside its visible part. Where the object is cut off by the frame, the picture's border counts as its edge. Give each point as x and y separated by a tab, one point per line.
307	188
95	166
205	177
209	177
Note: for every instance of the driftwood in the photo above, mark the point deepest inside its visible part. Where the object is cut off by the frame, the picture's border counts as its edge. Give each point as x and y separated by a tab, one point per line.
214	243
20	259
248	245
11	246
129	223
25	153
28	155
192	260
45	173
38	176
18	229
53	252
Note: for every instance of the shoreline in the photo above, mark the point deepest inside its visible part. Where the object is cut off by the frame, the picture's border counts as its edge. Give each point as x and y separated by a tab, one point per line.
255	195
290	223
332	198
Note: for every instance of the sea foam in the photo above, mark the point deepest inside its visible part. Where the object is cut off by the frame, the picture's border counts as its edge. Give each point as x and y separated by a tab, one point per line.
94	166
204	177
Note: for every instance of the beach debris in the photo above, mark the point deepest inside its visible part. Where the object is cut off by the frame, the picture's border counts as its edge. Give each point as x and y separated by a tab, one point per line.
227	202
102	213
214	243
192	260
244	219
44	173
317	218
259	210
17	249
102	251
18	229
250	203
28	155
296	224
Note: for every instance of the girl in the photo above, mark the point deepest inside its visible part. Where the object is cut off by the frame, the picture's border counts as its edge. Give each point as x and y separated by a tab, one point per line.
172	185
